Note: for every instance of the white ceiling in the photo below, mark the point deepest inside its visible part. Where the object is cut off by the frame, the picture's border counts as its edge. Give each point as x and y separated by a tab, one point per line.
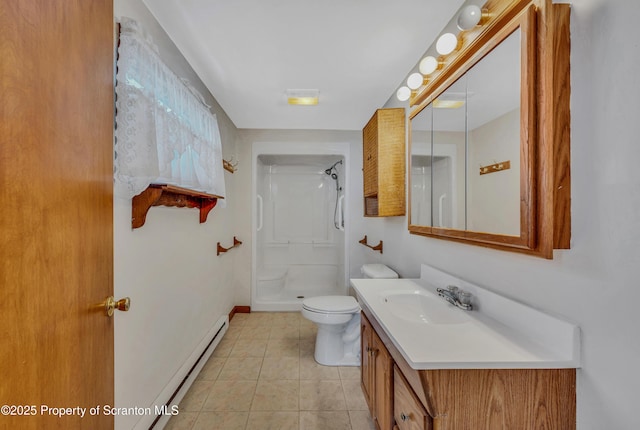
249	52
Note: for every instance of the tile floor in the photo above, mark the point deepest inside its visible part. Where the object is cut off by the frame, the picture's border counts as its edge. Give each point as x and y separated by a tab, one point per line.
262	375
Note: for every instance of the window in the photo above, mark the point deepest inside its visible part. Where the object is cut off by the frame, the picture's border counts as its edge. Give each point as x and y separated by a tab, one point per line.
165	133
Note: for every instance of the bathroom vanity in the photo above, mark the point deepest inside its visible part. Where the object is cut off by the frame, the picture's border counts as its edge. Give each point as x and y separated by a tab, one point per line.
429	365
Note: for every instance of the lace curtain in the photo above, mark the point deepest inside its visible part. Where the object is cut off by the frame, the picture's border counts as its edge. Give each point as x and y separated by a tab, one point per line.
164	131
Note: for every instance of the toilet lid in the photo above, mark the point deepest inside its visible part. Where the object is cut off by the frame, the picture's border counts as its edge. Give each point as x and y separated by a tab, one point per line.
378	271
331	304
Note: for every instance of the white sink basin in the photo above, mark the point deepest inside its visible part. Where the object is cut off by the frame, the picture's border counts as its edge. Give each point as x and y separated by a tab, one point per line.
421	307
498	333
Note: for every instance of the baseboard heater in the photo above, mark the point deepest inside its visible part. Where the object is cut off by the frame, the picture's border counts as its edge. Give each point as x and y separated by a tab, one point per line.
167	405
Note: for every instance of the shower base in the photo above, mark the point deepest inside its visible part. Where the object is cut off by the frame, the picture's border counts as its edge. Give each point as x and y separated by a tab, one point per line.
284	289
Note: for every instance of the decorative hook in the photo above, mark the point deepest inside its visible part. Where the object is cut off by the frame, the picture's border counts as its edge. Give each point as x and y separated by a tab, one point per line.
222	250
378	247
229	165
496	167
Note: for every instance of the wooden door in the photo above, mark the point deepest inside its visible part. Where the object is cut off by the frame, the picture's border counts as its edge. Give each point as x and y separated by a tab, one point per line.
56	216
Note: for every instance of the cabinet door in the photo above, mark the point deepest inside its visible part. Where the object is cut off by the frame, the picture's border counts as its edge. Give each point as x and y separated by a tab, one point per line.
383	381
366	367
370	157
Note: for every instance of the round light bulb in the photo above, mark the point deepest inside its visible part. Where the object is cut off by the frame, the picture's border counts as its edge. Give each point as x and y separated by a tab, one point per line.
428	65
446	44
469	17
414	81
403	94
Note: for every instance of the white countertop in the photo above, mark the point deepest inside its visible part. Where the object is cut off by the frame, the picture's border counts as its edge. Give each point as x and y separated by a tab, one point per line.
498	333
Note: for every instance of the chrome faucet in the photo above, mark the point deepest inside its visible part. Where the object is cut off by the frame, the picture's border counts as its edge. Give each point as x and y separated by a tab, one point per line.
456	296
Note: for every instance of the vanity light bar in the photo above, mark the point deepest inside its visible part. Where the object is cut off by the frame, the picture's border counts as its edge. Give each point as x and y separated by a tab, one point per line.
467	19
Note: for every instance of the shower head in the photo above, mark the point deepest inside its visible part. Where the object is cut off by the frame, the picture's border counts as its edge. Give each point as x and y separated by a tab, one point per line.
330	169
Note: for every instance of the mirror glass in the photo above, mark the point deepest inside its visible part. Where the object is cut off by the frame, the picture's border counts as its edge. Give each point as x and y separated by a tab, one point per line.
421	127
465	149
493	137
449	141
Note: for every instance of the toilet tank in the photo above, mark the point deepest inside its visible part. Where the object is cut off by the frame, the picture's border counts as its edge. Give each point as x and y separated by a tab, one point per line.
377	271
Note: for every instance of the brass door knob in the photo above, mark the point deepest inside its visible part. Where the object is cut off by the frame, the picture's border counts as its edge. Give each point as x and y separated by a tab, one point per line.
123	304
111	305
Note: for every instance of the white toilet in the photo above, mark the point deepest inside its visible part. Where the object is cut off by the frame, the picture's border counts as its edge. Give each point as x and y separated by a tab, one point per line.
338	320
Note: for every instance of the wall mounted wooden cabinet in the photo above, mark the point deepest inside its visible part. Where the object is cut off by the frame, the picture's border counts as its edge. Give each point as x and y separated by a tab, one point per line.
384	163
501	100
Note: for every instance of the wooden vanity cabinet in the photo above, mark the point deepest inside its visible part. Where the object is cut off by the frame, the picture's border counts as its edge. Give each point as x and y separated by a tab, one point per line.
404	398
383	163
377	376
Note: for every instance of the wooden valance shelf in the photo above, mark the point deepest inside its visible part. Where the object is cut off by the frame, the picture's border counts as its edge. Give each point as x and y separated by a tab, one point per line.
170	195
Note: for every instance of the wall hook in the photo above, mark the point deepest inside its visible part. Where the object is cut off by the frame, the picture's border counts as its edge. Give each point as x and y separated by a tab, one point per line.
378	247
222	250
230	165
496	167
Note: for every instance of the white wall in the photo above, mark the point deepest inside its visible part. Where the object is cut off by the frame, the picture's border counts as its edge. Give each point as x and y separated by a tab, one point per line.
178	287
595	283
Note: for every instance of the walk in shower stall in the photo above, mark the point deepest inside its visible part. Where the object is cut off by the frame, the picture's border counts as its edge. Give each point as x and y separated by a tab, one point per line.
299	247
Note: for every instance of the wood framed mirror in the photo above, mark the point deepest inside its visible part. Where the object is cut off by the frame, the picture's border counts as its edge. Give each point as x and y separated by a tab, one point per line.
489	135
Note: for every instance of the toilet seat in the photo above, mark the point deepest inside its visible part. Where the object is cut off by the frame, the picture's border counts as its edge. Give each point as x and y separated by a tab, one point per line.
338	321
331	304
